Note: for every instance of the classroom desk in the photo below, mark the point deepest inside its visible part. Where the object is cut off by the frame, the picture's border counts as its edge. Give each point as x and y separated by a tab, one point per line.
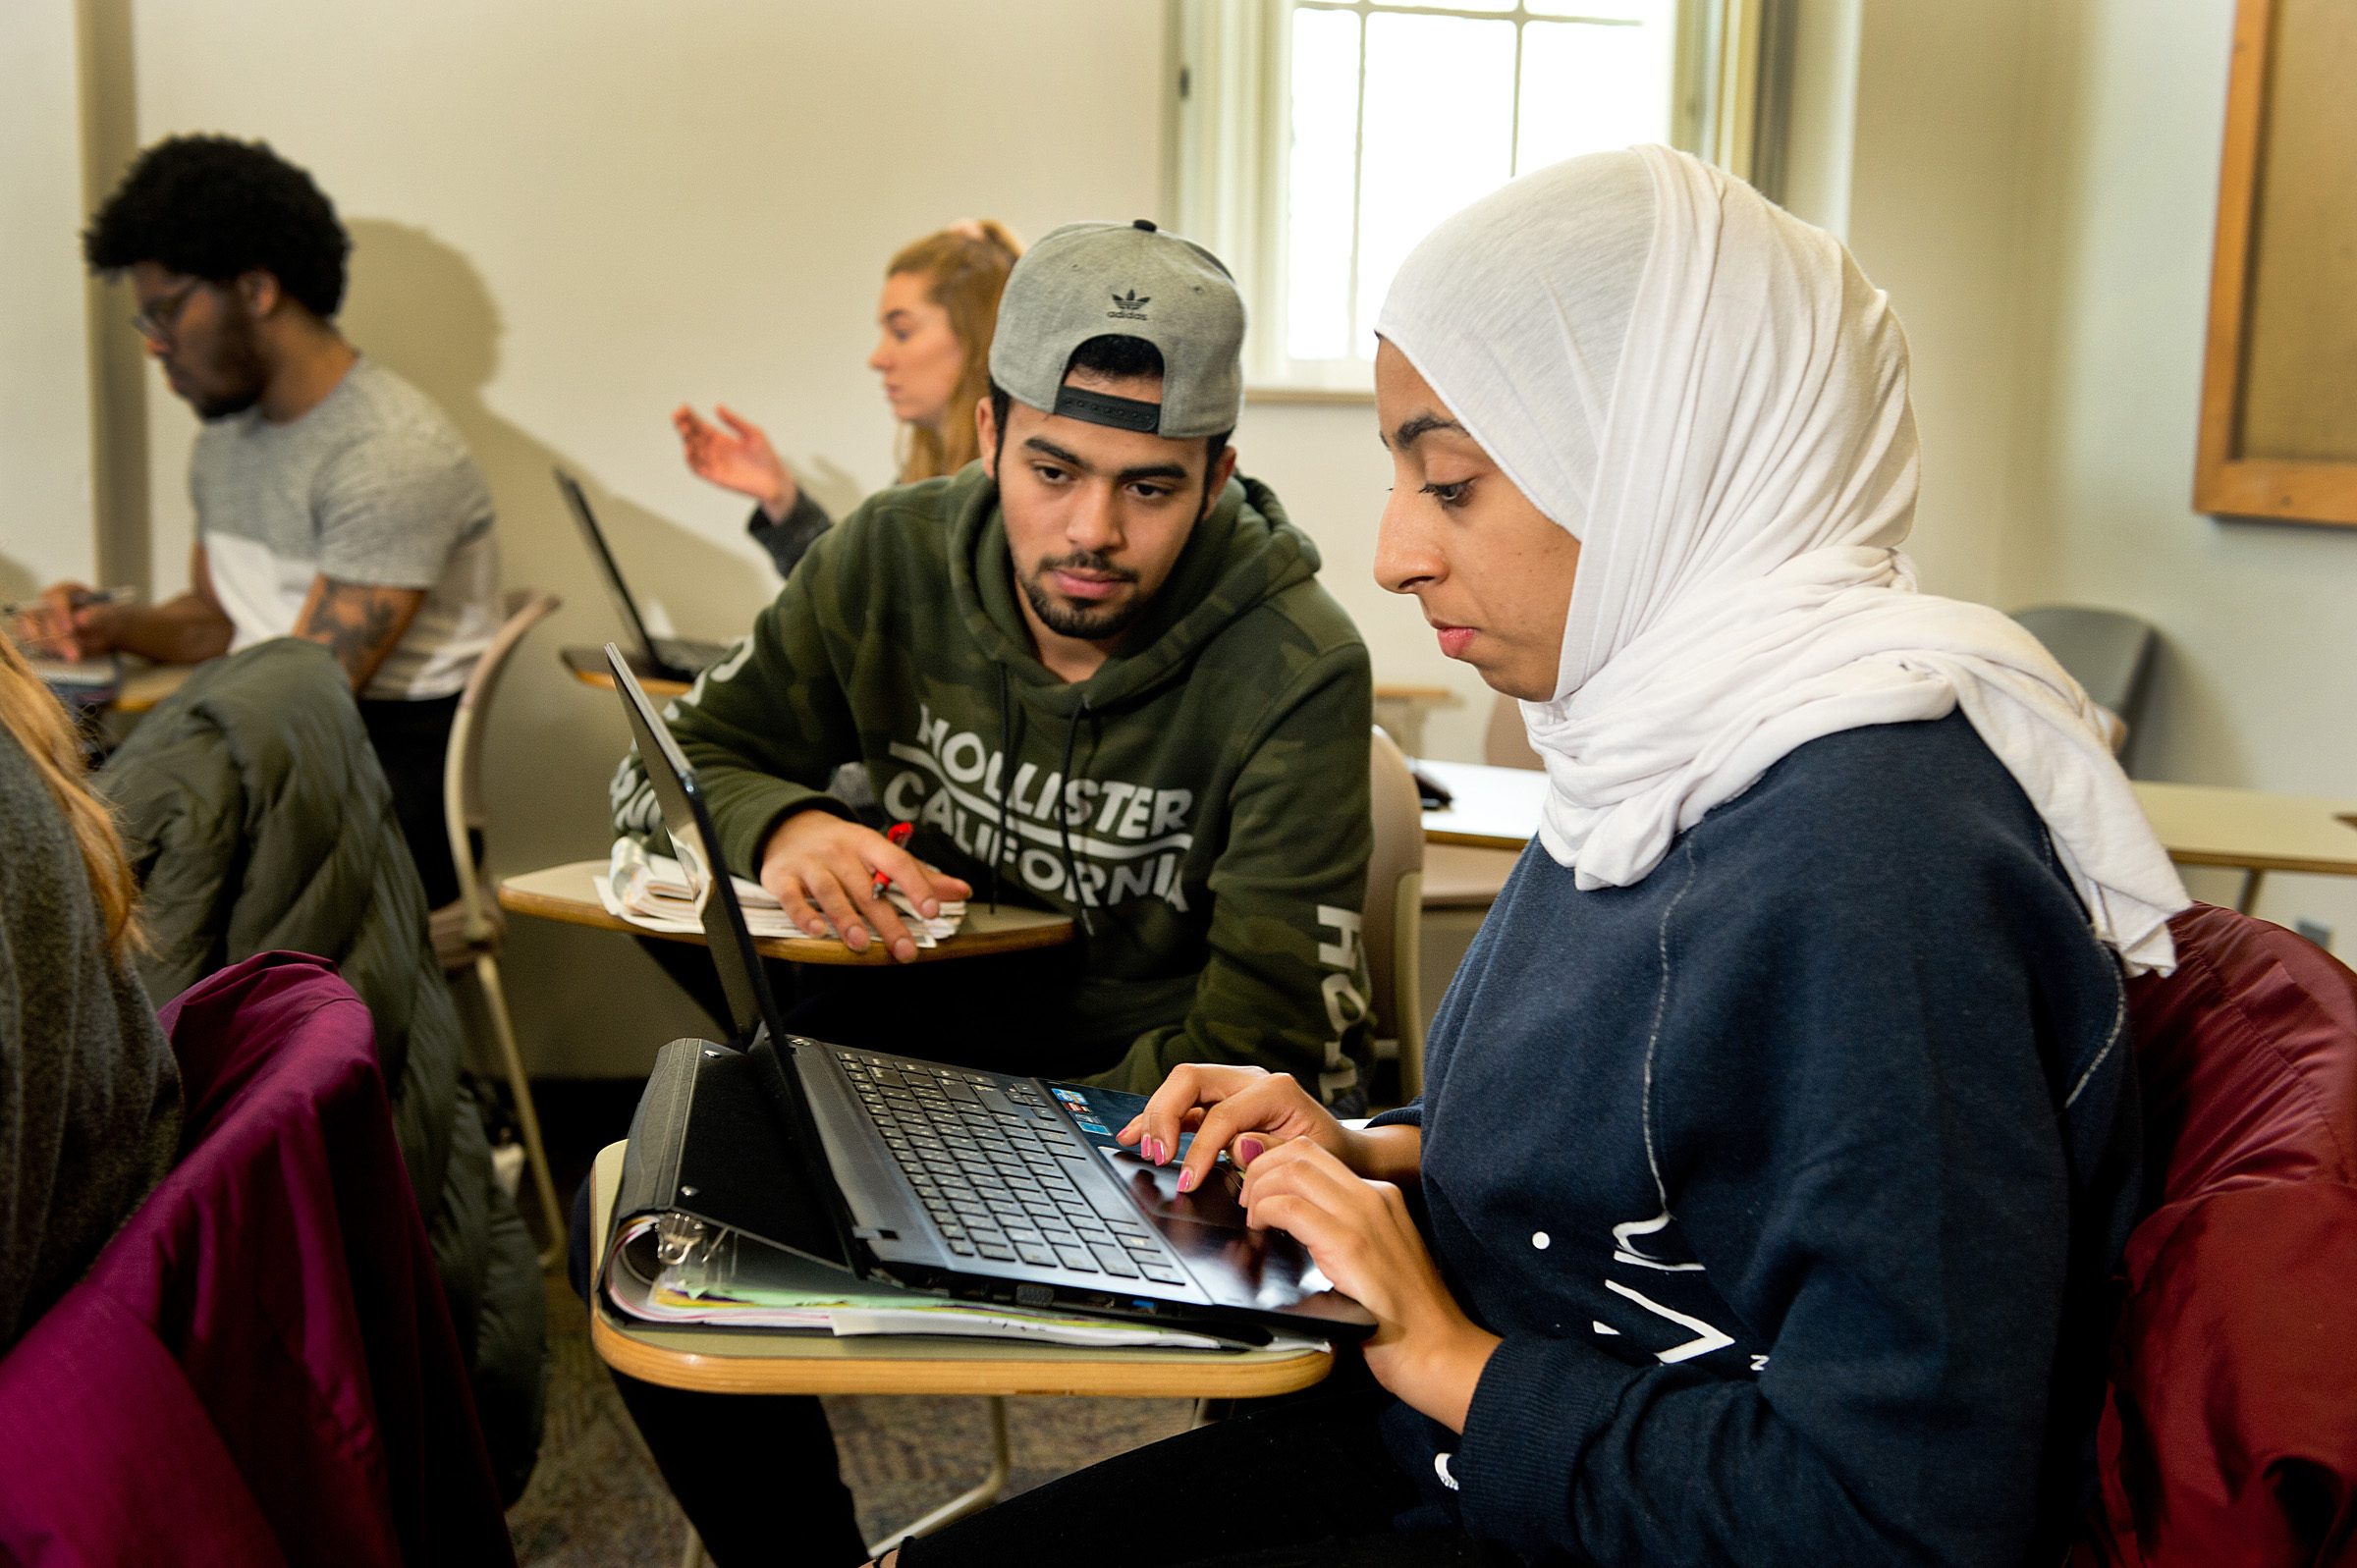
1492	808
2251	831
145	685
747	1361
588	666
569	893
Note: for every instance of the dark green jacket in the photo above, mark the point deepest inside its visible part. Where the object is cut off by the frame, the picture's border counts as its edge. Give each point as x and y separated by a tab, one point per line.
253	808
1212	776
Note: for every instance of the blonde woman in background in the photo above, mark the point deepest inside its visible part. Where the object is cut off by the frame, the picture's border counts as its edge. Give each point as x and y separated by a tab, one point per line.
940	303
89	1093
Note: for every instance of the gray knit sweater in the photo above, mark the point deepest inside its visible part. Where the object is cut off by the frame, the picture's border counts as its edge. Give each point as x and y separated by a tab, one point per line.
89	1094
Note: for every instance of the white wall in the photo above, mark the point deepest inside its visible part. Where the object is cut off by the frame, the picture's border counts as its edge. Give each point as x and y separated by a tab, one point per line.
1934	203
2258	673
570	217
46	531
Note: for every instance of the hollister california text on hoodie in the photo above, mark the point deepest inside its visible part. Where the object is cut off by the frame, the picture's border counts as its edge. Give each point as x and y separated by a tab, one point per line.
1200	802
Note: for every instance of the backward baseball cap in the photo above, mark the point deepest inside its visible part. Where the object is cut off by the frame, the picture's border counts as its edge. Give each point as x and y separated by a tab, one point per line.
1095	280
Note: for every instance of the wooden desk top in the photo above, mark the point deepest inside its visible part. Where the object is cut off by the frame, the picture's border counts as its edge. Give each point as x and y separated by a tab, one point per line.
754	1362
569	892
145	685
2253	829
1494	808
1465	877
588	666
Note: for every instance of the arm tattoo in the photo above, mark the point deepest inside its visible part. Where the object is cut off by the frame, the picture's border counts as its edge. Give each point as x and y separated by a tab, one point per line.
358	625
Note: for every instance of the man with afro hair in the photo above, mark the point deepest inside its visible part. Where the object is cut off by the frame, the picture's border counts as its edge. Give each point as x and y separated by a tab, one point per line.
335	502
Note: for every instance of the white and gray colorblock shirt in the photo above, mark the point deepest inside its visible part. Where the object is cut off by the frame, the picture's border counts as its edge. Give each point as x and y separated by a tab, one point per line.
373	486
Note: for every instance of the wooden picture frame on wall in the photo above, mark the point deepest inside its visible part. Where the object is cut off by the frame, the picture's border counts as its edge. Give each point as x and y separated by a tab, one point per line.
2279	422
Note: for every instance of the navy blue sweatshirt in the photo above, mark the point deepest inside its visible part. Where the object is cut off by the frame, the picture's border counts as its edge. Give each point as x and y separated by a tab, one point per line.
1791	1178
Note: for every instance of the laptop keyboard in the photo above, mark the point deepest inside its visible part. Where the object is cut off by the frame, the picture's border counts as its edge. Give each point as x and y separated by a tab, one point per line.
986	1157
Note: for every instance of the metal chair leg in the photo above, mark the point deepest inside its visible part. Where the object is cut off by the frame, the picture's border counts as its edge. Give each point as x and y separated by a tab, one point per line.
1002	1464
2253	879
495	998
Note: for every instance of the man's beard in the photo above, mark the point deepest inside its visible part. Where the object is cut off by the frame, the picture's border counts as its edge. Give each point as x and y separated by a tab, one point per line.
1086	625
235	366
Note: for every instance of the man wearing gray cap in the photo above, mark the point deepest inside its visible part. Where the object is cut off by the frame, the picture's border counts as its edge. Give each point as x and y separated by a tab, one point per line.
1096	673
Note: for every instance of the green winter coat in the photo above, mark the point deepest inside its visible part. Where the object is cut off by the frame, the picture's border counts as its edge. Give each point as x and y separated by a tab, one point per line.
1212	776
255	813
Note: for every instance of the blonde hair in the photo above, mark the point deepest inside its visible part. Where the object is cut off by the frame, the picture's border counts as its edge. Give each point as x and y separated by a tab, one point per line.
31	713
964	267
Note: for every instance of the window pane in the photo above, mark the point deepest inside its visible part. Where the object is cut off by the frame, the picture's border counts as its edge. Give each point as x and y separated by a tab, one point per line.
1601	10
1588	89
1325	115
1439	133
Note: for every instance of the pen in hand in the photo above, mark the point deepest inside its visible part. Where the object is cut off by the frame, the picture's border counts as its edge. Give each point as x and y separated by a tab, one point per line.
899	834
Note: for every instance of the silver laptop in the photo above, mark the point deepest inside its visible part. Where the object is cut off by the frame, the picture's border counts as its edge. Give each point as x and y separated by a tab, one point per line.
981	1185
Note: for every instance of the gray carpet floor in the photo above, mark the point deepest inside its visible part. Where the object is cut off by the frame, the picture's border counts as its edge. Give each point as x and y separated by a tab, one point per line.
596	1500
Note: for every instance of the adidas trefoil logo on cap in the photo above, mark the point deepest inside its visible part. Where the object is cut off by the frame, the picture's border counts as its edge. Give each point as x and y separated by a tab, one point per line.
1130	308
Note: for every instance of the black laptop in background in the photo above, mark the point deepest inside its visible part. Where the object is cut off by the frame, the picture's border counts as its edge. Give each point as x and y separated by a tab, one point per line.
671	658
974	1185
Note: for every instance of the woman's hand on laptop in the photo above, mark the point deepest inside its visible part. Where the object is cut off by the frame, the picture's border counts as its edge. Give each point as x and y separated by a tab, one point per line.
1245	1112
1362	1237
823	868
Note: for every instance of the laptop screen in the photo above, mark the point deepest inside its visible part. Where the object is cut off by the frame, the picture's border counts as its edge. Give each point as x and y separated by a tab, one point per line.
752	1006
578	500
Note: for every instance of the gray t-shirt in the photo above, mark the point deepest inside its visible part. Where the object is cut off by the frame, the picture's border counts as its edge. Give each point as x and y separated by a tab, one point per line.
371	486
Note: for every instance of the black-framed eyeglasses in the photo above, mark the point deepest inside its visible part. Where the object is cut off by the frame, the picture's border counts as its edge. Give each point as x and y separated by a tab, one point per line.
155	322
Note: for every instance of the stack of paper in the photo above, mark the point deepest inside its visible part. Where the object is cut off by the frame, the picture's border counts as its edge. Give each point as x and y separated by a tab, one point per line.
662	893
79	682
688	1294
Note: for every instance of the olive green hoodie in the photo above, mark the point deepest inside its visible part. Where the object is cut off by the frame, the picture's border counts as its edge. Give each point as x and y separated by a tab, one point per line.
1212	775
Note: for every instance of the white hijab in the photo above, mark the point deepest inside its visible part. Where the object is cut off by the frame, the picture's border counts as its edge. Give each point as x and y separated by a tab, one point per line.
1709	396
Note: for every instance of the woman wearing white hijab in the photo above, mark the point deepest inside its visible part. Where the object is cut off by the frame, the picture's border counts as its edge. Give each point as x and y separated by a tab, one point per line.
1778	1131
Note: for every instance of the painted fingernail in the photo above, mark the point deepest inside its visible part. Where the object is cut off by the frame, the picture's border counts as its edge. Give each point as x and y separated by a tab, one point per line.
1248	1150
1154	1154
1187	1182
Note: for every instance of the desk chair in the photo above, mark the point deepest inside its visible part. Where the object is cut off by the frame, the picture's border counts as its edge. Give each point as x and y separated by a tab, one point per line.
2228	1436
2105	651
1395	912
260	1367
1462	881
474	937
1506	743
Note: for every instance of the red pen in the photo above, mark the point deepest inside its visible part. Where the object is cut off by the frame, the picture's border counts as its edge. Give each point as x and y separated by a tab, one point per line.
899	834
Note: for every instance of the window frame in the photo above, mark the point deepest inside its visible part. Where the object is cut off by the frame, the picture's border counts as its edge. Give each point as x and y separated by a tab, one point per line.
1226	144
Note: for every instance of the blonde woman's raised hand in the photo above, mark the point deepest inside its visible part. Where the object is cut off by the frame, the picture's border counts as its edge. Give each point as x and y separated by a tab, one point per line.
740	459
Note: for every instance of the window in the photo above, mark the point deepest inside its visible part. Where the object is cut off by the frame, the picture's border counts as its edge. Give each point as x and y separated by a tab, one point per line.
1315	142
